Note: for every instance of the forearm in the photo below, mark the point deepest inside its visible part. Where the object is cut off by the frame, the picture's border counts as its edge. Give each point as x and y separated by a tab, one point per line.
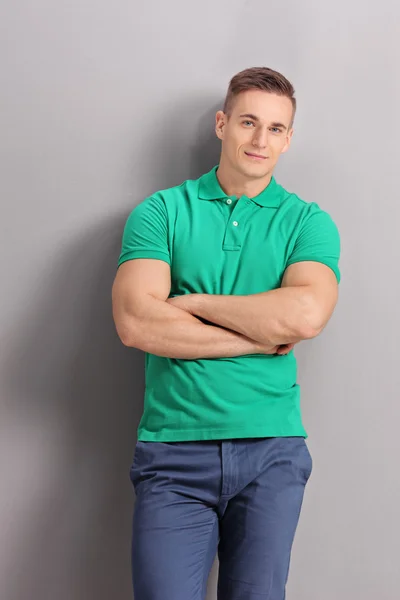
165	330
280	316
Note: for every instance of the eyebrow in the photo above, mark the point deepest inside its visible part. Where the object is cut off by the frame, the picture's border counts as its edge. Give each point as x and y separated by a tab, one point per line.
250	116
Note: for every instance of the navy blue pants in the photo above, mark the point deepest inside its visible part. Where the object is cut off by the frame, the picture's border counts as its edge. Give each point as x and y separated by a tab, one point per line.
241	498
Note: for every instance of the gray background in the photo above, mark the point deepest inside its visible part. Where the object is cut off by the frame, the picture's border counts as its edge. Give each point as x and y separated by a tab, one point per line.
103	103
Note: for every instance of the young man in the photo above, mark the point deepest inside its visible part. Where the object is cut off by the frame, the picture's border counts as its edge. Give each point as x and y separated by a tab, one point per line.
218	278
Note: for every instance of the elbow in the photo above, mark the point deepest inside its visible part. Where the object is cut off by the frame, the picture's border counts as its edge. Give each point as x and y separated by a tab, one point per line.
309	331
126	338
128	335
313	321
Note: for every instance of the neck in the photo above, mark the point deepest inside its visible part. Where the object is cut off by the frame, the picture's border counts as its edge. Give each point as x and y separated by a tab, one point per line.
235	183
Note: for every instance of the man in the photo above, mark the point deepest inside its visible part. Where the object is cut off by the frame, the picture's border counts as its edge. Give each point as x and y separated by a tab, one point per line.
218	278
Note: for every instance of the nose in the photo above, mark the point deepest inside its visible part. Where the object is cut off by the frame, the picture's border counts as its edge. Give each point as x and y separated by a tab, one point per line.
260	138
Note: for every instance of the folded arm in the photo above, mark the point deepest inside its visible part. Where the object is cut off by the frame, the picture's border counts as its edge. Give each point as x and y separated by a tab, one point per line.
297	311
144	319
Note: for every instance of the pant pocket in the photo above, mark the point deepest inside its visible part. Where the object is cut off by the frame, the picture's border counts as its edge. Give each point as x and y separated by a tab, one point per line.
307	462
139	456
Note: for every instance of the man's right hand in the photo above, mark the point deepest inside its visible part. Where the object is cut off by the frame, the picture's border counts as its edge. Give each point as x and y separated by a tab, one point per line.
285	349
281	349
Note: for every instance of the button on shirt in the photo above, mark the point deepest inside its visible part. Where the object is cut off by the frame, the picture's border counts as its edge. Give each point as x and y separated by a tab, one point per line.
216	244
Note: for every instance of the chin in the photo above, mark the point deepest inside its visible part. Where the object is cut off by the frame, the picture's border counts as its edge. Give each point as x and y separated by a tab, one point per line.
256	170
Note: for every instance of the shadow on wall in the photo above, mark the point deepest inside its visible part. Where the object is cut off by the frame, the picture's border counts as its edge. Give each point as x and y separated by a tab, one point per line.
206	147
73	400
184	146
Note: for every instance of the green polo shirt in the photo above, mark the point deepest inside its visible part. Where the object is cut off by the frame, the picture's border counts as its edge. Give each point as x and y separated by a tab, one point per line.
219	244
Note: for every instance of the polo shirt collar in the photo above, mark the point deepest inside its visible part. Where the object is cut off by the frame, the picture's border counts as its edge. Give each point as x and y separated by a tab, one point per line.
210	189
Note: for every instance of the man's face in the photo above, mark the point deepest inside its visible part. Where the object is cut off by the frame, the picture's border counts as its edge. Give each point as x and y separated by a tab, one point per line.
259	125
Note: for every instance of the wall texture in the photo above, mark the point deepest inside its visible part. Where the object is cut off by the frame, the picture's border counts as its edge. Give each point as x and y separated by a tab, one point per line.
103	103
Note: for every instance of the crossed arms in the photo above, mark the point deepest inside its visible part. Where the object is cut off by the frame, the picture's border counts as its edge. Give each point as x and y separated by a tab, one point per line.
145	318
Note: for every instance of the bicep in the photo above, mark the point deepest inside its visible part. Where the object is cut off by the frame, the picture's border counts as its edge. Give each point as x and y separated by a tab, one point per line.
321	284
136	282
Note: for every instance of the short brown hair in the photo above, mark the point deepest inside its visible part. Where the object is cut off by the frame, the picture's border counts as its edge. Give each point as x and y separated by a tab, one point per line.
259	78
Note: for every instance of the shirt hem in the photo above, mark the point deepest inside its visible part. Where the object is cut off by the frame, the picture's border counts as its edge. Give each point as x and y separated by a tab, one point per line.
191	435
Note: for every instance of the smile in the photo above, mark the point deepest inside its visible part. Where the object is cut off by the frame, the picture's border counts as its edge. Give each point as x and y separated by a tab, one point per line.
255	156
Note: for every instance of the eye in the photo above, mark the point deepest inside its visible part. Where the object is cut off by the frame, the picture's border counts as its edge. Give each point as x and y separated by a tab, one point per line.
251	122
276	130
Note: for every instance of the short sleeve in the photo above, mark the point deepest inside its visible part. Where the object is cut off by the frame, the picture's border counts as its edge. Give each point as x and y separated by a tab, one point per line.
146	232
318	240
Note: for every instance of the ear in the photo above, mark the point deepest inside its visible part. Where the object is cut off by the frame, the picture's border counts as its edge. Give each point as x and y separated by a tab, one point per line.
288	140
220	120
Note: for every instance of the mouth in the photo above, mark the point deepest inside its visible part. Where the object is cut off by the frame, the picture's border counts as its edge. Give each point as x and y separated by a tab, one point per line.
255	156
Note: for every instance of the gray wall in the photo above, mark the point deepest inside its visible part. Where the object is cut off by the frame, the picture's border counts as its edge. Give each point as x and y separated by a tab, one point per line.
103	103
